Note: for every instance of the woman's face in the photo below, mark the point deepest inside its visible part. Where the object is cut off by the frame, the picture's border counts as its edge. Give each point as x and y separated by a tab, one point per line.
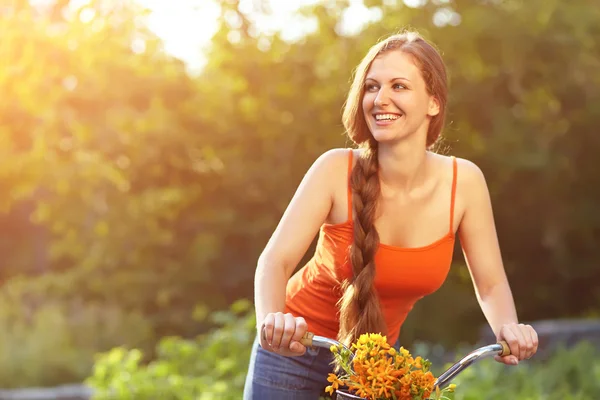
396	102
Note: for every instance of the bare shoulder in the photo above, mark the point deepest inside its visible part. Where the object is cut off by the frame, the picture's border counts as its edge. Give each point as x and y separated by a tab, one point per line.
471	189
469	175
334	157
332	163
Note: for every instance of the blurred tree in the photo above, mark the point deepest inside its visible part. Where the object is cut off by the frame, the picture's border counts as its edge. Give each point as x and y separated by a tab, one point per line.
524	91
159	190
103	153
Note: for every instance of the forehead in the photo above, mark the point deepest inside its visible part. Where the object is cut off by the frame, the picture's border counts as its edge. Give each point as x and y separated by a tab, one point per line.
394	64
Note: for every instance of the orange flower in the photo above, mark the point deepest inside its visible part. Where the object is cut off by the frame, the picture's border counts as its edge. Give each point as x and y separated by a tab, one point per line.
379	372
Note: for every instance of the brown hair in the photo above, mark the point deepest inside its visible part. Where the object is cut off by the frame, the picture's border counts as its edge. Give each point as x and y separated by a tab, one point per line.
360	309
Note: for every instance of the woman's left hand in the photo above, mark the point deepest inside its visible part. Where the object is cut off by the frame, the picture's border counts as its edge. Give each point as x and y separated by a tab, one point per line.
522	340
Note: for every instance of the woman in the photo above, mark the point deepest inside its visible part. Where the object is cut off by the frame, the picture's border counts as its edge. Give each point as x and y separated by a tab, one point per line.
388	213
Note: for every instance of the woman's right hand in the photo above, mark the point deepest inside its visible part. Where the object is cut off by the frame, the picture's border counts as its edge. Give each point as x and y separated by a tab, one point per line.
281	334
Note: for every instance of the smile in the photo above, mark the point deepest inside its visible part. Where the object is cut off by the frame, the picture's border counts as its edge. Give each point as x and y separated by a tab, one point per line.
386	117
383	118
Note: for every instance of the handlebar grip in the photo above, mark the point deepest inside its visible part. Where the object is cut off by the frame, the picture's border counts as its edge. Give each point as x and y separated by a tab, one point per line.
307	339
505	349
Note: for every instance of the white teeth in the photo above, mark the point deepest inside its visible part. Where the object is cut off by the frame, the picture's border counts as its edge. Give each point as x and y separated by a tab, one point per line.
381	117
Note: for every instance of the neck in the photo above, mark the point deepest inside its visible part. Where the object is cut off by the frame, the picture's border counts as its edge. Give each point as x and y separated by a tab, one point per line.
402	165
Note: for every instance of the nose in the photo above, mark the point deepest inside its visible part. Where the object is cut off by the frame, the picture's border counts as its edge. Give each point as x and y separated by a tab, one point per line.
381	100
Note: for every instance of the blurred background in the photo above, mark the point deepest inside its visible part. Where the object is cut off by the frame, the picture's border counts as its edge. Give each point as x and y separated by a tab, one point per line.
149	148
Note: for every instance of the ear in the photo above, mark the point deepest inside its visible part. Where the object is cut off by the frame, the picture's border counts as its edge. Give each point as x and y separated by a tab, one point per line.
434	106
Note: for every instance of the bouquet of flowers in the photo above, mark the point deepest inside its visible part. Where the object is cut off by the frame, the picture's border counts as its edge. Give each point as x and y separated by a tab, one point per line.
379	372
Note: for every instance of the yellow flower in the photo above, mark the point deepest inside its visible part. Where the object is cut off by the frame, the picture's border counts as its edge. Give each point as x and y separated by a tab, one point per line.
335	382
379	372
418	362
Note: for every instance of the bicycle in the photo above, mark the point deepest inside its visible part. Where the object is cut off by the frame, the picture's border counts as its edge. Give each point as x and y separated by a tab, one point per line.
501	348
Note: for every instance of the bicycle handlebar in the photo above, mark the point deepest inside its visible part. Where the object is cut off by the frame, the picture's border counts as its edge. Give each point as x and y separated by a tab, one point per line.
501	348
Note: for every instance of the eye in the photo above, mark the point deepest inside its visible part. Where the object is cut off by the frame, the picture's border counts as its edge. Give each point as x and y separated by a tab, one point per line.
399	86
370	87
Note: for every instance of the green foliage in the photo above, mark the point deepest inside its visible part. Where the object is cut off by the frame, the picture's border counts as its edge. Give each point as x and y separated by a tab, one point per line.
140	186
572	374
212	366
51	341
526	118
102	164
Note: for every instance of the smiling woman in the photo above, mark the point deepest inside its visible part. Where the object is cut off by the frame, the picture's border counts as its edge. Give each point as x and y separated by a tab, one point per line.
387	215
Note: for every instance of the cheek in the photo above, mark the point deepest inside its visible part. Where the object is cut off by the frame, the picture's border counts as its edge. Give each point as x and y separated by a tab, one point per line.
367	102
411	105
422	102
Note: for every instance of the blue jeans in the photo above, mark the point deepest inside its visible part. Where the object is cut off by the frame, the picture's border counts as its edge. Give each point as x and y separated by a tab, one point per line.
275	377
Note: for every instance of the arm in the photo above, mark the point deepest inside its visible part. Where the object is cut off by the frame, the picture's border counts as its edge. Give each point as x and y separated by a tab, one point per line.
306	212
479	241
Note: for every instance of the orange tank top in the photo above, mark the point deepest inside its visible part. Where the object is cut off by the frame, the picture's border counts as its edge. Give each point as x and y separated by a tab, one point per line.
402	277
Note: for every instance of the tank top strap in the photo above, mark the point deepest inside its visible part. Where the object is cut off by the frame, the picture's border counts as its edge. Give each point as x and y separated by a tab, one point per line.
351	154
453	195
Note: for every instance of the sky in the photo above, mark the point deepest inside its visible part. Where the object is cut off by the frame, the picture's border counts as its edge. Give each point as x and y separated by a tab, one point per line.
186	26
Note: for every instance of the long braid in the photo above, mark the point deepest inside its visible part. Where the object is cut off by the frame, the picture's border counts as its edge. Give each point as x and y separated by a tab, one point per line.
360	309
359	306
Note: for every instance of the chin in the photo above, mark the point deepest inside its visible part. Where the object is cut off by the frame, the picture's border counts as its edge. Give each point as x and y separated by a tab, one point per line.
384	135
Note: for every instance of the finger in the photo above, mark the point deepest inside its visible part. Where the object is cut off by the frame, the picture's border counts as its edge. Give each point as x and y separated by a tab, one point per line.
262	337
277	330
522	339
301	328
269	324
534	340
526	331
508	360
512	339
289	328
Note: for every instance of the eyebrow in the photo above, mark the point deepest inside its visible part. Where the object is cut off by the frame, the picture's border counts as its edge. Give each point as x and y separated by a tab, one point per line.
400	78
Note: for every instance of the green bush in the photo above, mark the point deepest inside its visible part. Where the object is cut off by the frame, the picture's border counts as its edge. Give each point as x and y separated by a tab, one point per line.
165	298
569	374
214	366
54	324
211	366
55	342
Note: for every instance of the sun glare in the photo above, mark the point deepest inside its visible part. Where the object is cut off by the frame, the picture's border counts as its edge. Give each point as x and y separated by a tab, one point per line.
186	26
